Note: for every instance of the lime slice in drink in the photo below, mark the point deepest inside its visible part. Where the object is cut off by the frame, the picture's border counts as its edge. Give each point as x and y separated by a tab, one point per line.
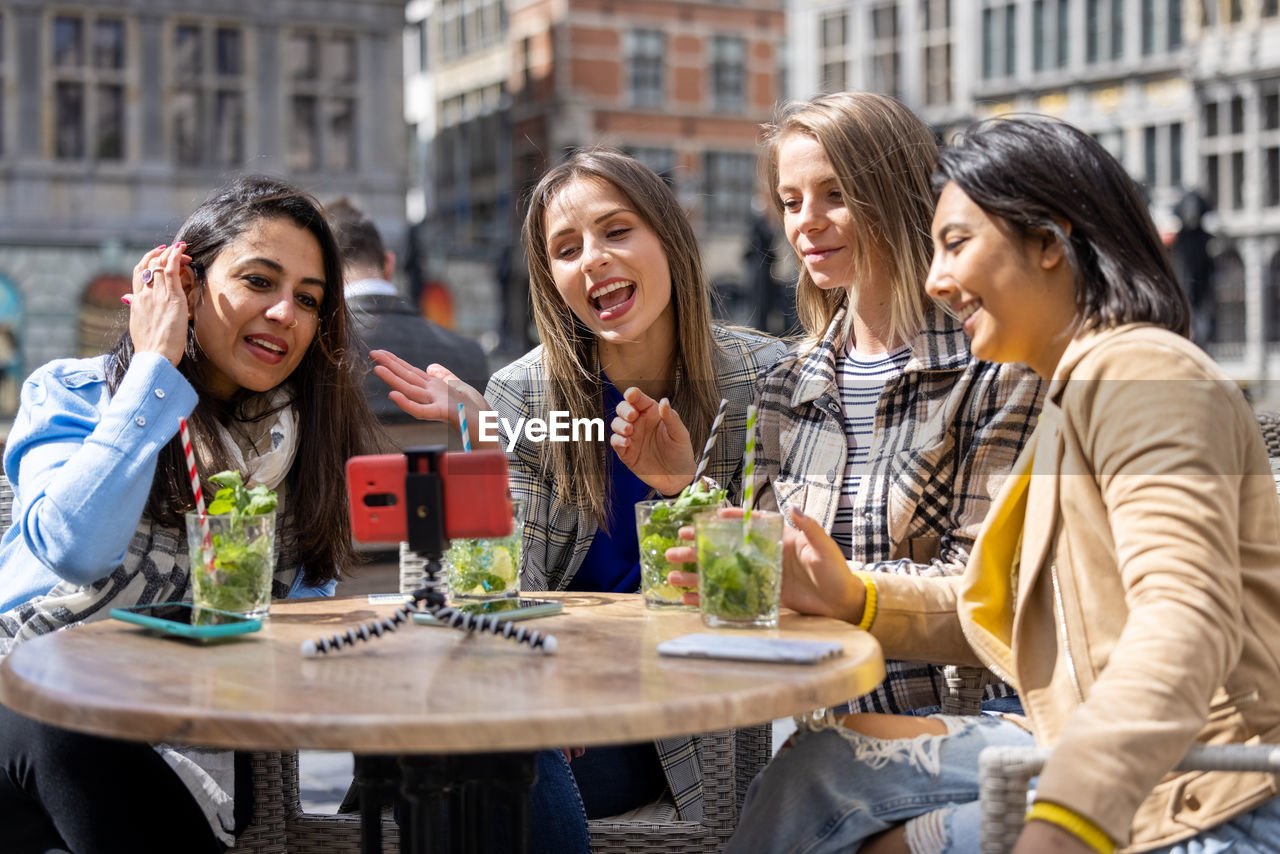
503	567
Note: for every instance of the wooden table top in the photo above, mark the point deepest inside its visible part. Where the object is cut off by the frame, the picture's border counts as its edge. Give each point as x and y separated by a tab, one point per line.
423	689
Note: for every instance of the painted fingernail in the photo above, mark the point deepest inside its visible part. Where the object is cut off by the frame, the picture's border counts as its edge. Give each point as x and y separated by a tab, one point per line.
126	299
161	246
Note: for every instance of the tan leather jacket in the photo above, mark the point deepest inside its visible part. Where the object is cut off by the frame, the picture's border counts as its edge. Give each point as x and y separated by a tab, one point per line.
1144	613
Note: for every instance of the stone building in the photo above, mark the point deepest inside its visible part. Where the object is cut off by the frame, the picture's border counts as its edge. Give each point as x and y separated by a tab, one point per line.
681	84
117	118
1185	92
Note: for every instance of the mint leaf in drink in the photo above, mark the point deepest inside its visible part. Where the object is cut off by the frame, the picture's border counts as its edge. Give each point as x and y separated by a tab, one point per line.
233	497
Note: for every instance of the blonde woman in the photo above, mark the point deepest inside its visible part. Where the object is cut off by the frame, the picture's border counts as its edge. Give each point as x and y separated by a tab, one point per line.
880	426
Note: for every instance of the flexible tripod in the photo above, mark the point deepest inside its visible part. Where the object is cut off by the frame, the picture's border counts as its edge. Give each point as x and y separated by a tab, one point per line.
448	799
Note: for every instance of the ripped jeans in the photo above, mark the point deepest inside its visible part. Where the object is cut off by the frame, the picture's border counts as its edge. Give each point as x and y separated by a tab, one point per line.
835	789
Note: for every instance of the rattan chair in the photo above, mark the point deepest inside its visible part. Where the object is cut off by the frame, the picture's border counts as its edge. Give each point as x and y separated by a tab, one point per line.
267	833
1005	772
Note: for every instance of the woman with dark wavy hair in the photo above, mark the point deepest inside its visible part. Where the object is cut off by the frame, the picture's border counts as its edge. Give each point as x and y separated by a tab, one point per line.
240	327
1126	580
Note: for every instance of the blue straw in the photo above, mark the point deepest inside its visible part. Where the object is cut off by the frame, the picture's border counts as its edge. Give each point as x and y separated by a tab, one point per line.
466	435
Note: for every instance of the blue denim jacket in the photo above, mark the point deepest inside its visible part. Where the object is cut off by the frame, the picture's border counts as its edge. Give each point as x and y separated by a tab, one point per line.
80	463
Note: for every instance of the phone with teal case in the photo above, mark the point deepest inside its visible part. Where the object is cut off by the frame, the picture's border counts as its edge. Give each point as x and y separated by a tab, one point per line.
181	619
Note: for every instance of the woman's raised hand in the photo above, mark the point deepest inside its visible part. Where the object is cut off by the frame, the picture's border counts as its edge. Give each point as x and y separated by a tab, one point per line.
158	307
815	575
652	441
432	394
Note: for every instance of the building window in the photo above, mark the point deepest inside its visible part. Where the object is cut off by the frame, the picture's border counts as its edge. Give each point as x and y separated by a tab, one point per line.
729	181
1269	140
1223	147
661	160
645	52
999	35
1272	300
833	39
1271	187
1104	30
1229	299
1051	34
470	25
1162	155
885	71
320	69
206	112
728	73
453	29
89	74
1161	26
936	16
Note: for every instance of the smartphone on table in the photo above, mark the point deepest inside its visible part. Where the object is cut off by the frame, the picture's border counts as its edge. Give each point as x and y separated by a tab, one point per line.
740	648
183	620
505	609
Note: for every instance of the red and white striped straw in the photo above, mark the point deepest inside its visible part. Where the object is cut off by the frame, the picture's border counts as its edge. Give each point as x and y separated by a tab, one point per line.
206	541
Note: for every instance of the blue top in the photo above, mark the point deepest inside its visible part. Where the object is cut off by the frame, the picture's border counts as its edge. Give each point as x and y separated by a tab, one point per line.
612	564
81	462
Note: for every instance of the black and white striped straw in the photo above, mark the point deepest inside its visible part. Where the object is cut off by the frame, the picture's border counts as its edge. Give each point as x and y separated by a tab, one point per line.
711	440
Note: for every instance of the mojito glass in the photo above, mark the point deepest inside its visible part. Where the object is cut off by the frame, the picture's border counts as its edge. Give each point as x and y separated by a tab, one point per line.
739	569
242	561
657	523
487	568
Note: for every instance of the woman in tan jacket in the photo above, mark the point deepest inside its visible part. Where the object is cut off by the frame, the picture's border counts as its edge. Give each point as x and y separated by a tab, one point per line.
1126	581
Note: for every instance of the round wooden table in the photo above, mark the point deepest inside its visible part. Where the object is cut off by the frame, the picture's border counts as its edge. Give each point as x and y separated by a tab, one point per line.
424	690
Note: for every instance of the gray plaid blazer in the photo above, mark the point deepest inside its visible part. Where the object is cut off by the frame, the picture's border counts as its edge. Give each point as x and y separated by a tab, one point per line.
558	534
948	430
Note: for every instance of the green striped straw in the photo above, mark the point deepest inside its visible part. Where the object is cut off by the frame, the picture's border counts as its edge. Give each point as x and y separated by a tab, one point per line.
749	471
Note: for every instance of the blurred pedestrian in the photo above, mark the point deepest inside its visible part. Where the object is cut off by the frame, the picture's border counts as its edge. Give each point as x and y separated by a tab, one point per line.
385	320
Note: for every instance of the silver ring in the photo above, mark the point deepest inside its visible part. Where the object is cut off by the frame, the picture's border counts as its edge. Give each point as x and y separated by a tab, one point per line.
147	275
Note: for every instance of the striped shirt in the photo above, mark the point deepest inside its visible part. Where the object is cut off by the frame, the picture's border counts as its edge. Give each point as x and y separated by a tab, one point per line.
861	379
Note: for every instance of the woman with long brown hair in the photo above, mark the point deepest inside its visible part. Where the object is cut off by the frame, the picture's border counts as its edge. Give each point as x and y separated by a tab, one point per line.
622	308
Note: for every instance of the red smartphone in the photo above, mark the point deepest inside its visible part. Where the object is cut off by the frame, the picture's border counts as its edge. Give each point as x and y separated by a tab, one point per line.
477	502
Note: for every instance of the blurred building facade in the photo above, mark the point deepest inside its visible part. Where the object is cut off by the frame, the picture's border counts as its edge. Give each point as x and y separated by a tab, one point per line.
500	91
118	118
1186	93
